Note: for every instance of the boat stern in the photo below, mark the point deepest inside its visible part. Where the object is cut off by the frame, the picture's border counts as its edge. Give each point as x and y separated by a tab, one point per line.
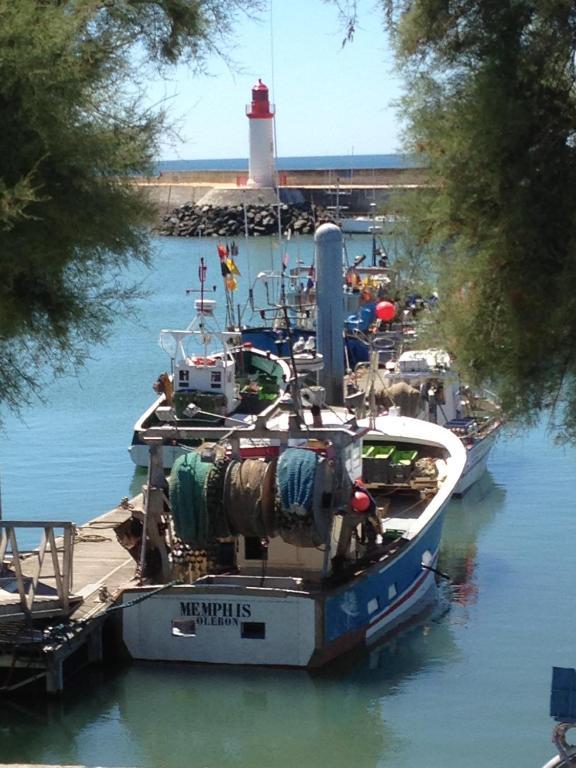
222	620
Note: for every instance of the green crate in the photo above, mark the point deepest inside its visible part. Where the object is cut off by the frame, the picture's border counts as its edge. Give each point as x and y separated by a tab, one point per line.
384	451
401	465
376	462
405	458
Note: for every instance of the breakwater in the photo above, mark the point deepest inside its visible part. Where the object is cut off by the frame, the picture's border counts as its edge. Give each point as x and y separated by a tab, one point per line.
191	220
352	190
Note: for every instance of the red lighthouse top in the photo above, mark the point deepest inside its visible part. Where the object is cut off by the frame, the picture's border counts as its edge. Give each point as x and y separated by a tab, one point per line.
260	106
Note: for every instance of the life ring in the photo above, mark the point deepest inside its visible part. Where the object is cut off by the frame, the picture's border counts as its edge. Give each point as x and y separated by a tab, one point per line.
203	361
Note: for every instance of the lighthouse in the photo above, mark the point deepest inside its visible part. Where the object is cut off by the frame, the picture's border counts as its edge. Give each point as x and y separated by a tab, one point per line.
261	116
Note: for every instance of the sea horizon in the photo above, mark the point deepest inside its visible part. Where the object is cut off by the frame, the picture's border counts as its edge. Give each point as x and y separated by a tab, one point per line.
312	162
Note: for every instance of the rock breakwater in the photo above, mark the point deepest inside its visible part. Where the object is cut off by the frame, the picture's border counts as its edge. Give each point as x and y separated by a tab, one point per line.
237	220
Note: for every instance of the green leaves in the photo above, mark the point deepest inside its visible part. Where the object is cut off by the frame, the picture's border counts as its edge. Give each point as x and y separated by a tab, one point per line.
72	133
492	104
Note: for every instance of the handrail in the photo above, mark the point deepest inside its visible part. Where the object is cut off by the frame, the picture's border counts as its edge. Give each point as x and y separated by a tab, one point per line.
55	551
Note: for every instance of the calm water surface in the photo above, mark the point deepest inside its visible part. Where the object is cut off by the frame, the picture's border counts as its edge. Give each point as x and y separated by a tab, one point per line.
468	686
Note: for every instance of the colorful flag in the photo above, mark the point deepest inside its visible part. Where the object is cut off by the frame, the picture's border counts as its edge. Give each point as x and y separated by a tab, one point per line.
221	251
231	264
224	268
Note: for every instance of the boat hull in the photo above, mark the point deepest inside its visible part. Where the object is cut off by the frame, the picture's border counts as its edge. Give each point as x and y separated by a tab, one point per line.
231	620
362	225
476	462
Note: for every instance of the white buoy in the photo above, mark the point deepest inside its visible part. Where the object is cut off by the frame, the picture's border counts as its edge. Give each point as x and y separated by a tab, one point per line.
261	116
330	322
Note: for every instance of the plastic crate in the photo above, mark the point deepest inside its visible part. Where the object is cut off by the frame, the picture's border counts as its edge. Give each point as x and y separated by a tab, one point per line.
401	464
404	457
376	463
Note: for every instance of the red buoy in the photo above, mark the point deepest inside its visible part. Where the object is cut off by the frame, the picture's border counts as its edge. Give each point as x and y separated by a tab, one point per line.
360	501
385	310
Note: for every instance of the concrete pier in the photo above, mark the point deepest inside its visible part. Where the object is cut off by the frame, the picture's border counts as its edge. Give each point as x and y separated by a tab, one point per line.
53	600
351	190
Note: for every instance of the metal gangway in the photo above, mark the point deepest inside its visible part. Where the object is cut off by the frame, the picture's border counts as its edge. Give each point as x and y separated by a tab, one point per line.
35	583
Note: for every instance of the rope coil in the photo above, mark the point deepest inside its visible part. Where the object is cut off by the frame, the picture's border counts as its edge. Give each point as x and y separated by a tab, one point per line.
302	478
249	499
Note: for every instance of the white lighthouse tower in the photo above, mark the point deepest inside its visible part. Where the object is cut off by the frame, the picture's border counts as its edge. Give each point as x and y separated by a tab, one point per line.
261	116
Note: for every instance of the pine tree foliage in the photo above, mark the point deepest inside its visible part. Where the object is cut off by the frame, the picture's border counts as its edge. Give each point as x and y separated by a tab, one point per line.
492	104
72	132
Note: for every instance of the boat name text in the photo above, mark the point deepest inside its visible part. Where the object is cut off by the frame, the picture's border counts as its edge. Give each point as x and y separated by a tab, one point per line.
216	613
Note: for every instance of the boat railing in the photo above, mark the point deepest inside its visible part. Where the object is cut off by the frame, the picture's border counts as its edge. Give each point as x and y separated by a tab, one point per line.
284	583
37	581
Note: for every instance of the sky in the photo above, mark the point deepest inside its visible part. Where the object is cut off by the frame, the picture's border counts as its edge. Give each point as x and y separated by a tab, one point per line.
329	99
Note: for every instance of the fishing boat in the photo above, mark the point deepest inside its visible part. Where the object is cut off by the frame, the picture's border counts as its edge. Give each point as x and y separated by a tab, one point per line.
362	225
286	543
296	346
214	378
424	384
286	326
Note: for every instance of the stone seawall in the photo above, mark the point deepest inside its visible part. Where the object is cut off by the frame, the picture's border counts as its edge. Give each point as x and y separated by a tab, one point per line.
191	220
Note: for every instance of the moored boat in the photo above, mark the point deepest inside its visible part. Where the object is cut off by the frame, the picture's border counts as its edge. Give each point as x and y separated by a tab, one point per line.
226	383
282	544
362	225
424	384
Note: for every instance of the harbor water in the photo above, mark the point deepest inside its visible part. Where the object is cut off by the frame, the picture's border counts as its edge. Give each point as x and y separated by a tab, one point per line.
467	685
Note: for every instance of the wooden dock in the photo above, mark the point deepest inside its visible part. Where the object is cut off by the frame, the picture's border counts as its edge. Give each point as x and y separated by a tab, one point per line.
54	598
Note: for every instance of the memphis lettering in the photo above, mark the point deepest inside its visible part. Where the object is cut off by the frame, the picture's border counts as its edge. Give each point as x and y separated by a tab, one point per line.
216	614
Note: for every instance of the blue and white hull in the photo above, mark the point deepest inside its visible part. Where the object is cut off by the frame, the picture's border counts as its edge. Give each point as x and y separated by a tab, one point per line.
294	607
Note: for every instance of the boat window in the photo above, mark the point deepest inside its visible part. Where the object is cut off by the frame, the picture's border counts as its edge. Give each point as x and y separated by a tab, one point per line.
373	605
253	549
216	380
392	591
184	376
254	630
183	628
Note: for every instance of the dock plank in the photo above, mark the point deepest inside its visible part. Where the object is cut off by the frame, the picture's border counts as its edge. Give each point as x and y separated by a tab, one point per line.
102	569
99	561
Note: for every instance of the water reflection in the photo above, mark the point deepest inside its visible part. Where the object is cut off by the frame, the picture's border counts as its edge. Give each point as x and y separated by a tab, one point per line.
466	518
170	715
166	715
